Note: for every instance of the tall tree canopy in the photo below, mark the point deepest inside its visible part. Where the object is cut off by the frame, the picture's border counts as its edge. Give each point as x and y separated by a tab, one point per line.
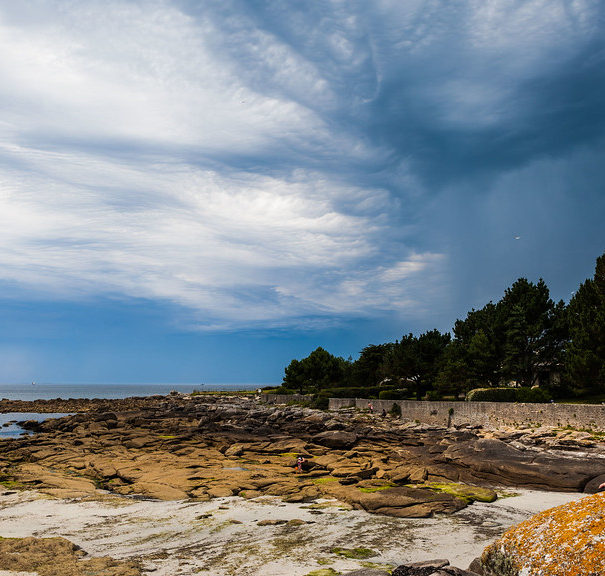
524	337
416	361
585	362
527	315
318	370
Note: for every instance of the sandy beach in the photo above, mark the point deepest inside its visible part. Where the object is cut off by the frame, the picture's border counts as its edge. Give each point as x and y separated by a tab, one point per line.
262	536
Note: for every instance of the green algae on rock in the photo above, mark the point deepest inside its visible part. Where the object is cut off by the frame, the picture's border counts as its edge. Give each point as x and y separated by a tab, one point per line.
464	491
355	553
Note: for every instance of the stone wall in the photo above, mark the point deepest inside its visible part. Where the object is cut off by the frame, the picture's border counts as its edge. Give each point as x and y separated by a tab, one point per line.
590	416
284	398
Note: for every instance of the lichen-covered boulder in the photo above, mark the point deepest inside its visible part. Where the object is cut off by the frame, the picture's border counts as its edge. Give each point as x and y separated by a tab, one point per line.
565	541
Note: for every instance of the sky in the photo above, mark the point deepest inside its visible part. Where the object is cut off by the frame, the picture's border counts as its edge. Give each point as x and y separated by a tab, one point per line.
201	191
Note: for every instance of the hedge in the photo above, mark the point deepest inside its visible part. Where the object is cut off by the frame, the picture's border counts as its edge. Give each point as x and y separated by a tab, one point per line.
524	394
393	394
350	392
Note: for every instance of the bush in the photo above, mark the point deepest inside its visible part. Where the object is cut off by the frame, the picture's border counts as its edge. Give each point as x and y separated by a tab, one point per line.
319	402
350	392
533	395
525	394
492	395
393	394
279	390
395	411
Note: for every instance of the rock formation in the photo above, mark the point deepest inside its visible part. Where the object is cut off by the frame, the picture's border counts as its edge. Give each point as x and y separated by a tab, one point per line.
58	557
202	447
565	541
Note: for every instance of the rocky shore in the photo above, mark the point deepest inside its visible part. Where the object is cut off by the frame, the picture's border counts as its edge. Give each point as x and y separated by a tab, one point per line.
200	448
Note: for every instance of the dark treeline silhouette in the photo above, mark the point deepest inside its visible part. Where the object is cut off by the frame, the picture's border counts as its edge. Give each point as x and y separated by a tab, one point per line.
523	340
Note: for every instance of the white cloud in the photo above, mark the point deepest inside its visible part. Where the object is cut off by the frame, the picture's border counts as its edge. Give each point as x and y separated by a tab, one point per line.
235	249
147	73
120	122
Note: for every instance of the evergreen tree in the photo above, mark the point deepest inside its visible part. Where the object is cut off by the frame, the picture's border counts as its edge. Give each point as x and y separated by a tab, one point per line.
527	314
483	359
317	371
474	357
368	369
585	359
454	375
416	361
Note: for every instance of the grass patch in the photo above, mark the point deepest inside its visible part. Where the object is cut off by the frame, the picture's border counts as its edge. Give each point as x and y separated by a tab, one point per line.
166	437
375	566
464	491
596	434
375	488
506	494
286	545
354	553
13	484
323	572
325	480
223	393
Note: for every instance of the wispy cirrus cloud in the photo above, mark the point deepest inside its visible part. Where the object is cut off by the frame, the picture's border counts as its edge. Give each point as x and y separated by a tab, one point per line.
276	163
234	248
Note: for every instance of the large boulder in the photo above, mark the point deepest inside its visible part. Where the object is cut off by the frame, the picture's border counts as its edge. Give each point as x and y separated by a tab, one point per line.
399	501
563	541
498	462
430	568
335	439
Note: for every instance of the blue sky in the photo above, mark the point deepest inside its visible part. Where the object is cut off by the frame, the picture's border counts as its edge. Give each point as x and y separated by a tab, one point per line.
202	191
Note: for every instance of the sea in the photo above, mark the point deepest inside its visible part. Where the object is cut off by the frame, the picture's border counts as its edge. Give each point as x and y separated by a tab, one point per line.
43	391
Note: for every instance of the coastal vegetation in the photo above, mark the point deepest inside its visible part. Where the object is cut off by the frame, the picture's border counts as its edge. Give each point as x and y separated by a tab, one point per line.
524	348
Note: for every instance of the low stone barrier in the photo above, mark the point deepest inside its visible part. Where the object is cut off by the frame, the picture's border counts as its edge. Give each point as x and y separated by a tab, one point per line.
284	398
579	416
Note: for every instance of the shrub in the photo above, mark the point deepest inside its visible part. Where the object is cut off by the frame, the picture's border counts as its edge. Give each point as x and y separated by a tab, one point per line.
350	392
492	395
525	394
393	394
395	410
279	390
319	402
533	395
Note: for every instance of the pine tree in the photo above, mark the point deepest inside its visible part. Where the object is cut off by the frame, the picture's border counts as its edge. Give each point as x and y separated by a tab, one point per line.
585	360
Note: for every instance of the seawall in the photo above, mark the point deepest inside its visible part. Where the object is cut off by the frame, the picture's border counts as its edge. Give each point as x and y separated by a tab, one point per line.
579	416
590	416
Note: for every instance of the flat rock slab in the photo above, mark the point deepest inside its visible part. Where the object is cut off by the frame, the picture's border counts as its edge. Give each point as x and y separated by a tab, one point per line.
58	557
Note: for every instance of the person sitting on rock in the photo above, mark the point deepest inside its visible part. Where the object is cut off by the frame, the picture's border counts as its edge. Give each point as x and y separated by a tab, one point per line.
299	464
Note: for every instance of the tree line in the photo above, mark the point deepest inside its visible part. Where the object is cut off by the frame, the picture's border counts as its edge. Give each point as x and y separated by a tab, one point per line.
525	339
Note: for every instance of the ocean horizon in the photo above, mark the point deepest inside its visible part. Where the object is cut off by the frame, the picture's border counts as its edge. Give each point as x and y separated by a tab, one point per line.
49	391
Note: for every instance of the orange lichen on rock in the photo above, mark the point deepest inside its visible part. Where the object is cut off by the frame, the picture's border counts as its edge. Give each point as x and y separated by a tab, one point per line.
565	541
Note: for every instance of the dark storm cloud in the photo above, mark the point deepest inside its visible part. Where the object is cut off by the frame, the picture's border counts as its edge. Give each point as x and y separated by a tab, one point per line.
306	150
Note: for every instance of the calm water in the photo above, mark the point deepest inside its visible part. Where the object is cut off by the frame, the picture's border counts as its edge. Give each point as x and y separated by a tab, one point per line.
8	422
50	391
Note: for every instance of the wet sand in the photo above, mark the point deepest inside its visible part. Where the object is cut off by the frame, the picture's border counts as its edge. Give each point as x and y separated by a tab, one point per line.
223	537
